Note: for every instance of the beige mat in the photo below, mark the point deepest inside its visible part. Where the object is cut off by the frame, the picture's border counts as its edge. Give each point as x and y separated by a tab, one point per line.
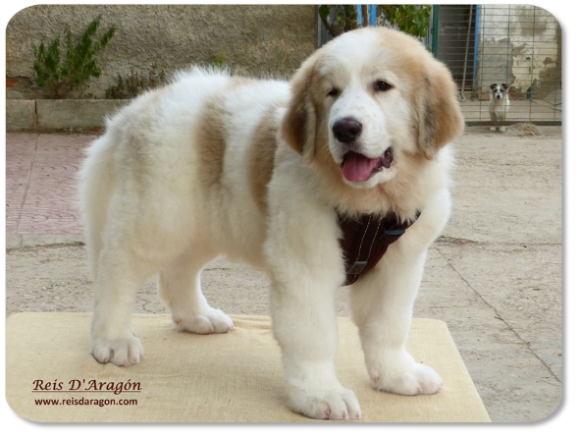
234	377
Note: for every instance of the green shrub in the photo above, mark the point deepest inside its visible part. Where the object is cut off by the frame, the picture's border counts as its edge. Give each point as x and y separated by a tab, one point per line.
136	83
58	74
411	19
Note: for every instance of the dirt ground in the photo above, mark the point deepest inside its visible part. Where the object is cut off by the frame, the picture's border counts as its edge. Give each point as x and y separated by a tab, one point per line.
495	276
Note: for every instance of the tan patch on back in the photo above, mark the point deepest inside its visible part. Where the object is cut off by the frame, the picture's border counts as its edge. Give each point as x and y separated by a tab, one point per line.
211	139
211	142
261	157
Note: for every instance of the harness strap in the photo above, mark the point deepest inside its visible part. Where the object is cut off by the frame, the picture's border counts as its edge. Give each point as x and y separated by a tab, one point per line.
365	240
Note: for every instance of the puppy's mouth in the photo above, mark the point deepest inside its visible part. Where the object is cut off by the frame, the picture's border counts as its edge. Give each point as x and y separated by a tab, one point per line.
359	168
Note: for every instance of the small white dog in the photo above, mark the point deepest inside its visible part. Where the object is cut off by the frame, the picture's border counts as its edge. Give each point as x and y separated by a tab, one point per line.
499	104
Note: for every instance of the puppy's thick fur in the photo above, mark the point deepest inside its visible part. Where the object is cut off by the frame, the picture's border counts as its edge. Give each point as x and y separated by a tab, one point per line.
499	104
253	169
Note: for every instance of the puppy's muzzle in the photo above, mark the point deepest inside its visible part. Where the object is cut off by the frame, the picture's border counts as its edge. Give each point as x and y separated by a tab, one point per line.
347	130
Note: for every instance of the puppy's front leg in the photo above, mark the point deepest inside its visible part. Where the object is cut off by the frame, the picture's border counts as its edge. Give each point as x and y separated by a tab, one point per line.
304	325
382	304
306	270
494	120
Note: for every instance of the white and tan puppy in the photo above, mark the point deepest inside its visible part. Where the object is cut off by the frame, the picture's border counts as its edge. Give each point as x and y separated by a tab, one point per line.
258	170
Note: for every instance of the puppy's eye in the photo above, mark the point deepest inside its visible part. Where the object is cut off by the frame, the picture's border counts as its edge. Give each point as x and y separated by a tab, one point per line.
334	92
382	86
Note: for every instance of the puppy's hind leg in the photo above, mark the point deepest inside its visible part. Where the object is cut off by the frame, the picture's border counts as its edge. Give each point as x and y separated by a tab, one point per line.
180	287
120	273
112	261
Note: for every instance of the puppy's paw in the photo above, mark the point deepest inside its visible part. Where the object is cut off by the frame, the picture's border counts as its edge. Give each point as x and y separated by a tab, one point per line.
417	379
337	404
122	351
212	321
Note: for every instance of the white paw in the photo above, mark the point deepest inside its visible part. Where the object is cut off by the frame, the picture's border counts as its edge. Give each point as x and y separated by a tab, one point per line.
502	128
418	379
122	351
493	128
337	404
212	321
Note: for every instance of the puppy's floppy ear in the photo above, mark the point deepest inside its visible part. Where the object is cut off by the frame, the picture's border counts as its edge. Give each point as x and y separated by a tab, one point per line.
440	118
505	86
493	86
299	124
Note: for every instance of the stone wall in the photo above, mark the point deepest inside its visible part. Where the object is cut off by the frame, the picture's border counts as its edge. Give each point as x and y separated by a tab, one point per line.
255	40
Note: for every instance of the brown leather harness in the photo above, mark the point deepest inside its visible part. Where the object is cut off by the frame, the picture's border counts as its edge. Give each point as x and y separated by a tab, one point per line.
365	240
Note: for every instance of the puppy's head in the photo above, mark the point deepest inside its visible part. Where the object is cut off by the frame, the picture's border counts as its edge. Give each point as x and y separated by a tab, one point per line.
368	98
499	90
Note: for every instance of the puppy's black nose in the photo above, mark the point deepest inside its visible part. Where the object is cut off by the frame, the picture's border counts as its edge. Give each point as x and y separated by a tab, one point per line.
347	130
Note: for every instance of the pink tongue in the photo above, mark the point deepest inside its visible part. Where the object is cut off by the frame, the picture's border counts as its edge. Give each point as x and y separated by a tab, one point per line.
358	168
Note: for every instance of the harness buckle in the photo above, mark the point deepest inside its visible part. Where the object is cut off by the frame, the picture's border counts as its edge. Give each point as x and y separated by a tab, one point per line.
357	268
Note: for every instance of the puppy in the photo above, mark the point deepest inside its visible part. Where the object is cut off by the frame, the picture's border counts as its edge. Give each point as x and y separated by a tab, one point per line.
267	172
499	104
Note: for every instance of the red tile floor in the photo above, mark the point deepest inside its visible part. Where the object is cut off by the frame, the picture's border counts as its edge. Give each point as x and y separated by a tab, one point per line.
41	182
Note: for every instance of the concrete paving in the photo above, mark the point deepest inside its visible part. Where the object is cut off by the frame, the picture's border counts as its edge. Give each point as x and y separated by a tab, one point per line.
40	183
495	276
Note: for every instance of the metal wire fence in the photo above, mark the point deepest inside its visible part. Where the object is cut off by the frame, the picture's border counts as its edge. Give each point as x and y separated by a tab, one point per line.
516	45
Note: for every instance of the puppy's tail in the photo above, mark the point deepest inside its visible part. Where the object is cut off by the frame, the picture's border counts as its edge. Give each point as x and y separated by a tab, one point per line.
97	183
